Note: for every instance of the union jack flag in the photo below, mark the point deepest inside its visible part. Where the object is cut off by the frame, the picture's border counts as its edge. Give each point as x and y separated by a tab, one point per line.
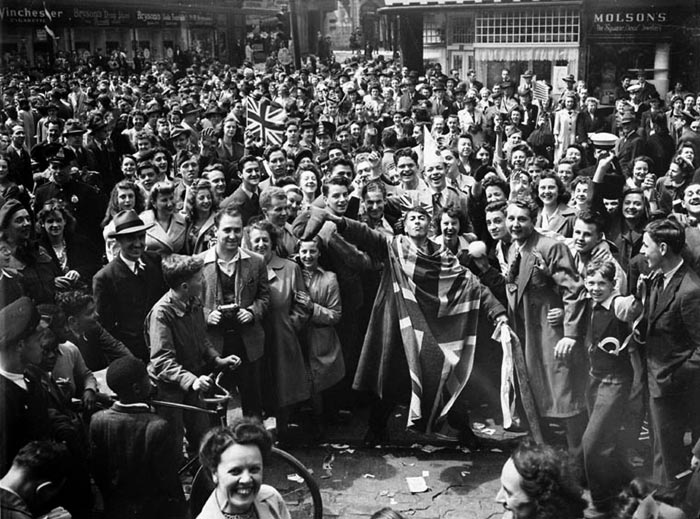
265	120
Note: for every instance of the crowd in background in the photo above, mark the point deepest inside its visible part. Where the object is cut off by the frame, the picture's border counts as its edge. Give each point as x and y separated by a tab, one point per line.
141	217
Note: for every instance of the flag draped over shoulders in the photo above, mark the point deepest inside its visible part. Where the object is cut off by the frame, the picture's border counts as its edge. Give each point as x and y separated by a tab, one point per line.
427	309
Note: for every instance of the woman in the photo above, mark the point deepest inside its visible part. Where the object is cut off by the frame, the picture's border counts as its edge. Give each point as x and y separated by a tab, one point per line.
164	164
565	126
125	196
147	175
168	235
234	456
537	482
284	319
200	207
555	215
643	178
326	364
37	270
73	254
448	225
309	183
295	197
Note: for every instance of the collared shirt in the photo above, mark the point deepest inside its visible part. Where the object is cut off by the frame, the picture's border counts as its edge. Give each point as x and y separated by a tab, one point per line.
229	267
16	378
132	264
250	194
668	275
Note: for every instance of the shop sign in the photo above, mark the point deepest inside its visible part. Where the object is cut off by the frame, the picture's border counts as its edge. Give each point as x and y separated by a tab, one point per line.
630	22
101	17
30	15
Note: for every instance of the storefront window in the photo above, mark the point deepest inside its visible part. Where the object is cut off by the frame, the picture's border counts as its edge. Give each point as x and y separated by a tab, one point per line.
559	25
433	30
461	29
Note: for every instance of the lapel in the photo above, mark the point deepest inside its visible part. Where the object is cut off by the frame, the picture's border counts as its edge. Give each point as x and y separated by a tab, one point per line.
122	269
527	263
666	296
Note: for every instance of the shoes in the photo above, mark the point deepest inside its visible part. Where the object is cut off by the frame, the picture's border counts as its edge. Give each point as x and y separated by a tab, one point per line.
375	438
468	439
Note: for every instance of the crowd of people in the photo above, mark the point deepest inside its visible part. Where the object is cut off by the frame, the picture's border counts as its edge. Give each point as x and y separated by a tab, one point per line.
400	235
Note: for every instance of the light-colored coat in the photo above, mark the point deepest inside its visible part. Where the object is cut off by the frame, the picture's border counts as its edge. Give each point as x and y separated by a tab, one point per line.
558	385
268	505
326	365
252	293
161	241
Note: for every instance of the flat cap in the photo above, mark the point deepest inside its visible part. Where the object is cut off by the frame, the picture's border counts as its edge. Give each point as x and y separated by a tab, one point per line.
16	320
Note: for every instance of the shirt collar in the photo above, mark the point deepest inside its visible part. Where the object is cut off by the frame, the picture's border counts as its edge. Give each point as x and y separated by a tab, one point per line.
607	303
132	264
668	275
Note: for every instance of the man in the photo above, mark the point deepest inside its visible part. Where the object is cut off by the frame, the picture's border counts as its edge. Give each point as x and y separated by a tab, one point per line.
127	288
23	400
542	277
472	82
276	162
84	202
181	354
374	199
590	121
588	244
245	199
274	206
18	159
236	295
407	338
46	148
472	122
630	144
35	478
134	454
73	133
105	157
672	347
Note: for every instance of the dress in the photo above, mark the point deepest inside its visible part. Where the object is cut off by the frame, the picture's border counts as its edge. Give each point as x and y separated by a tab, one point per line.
564	131
326	365
283	354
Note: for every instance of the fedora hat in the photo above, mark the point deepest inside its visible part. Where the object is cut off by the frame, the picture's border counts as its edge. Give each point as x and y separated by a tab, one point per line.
569	79
628	118
73	127
128	222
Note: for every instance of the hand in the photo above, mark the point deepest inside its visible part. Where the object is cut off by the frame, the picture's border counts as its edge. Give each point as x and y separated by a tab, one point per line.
62	282
649	181
214	318
304	299
244	316
231	362
482	263
202	383
694	462
327	231
564	348
501	319
604	163
57	513
89	399
555	316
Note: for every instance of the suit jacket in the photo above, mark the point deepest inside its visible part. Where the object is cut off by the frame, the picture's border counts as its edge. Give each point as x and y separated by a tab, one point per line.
673	335
124	299
247	207
561	222
252	293
586	124
20	164
107	163
627	149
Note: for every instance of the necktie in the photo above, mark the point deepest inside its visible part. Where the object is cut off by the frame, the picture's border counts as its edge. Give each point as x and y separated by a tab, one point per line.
657	287
437	203
254	199
514	268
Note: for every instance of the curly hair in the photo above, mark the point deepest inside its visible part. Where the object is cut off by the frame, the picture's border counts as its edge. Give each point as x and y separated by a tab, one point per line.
264	226
52	208
201	184
113	206
548	481
243	431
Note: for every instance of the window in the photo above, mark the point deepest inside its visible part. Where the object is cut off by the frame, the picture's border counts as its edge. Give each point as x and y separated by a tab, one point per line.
461	29
433	30
538	26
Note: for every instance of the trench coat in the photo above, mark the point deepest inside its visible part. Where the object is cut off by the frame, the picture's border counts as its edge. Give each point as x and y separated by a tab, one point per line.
161	241
326	365
558	385
283	353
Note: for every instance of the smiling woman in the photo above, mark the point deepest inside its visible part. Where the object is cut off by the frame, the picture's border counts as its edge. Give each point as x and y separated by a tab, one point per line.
234	456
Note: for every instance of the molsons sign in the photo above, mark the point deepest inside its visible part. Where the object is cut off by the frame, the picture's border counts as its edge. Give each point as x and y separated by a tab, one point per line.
624	23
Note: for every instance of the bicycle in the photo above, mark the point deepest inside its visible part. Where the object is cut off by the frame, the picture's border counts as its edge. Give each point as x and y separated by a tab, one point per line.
202	485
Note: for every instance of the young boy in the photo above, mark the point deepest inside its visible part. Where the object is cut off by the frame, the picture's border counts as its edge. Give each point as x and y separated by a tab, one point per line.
610	375
134	455
181	354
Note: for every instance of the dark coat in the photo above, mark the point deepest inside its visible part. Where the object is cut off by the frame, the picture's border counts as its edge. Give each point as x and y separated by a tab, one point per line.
673	336
124	299
248	207
134	464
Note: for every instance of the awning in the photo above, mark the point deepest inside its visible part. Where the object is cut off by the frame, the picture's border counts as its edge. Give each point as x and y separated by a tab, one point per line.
403	6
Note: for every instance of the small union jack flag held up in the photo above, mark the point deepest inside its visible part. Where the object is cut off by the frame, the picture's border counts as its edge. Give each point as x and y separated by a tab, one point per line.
265	120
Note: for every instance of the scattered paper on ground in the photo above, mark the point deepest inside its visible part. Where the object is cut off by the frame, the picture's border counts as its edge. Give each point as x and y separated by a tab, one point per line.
416	485
296	478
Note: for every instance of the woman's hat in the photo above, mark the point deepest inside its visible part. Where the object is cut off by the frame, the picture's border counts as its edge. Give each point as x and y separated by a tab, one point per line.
128	222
